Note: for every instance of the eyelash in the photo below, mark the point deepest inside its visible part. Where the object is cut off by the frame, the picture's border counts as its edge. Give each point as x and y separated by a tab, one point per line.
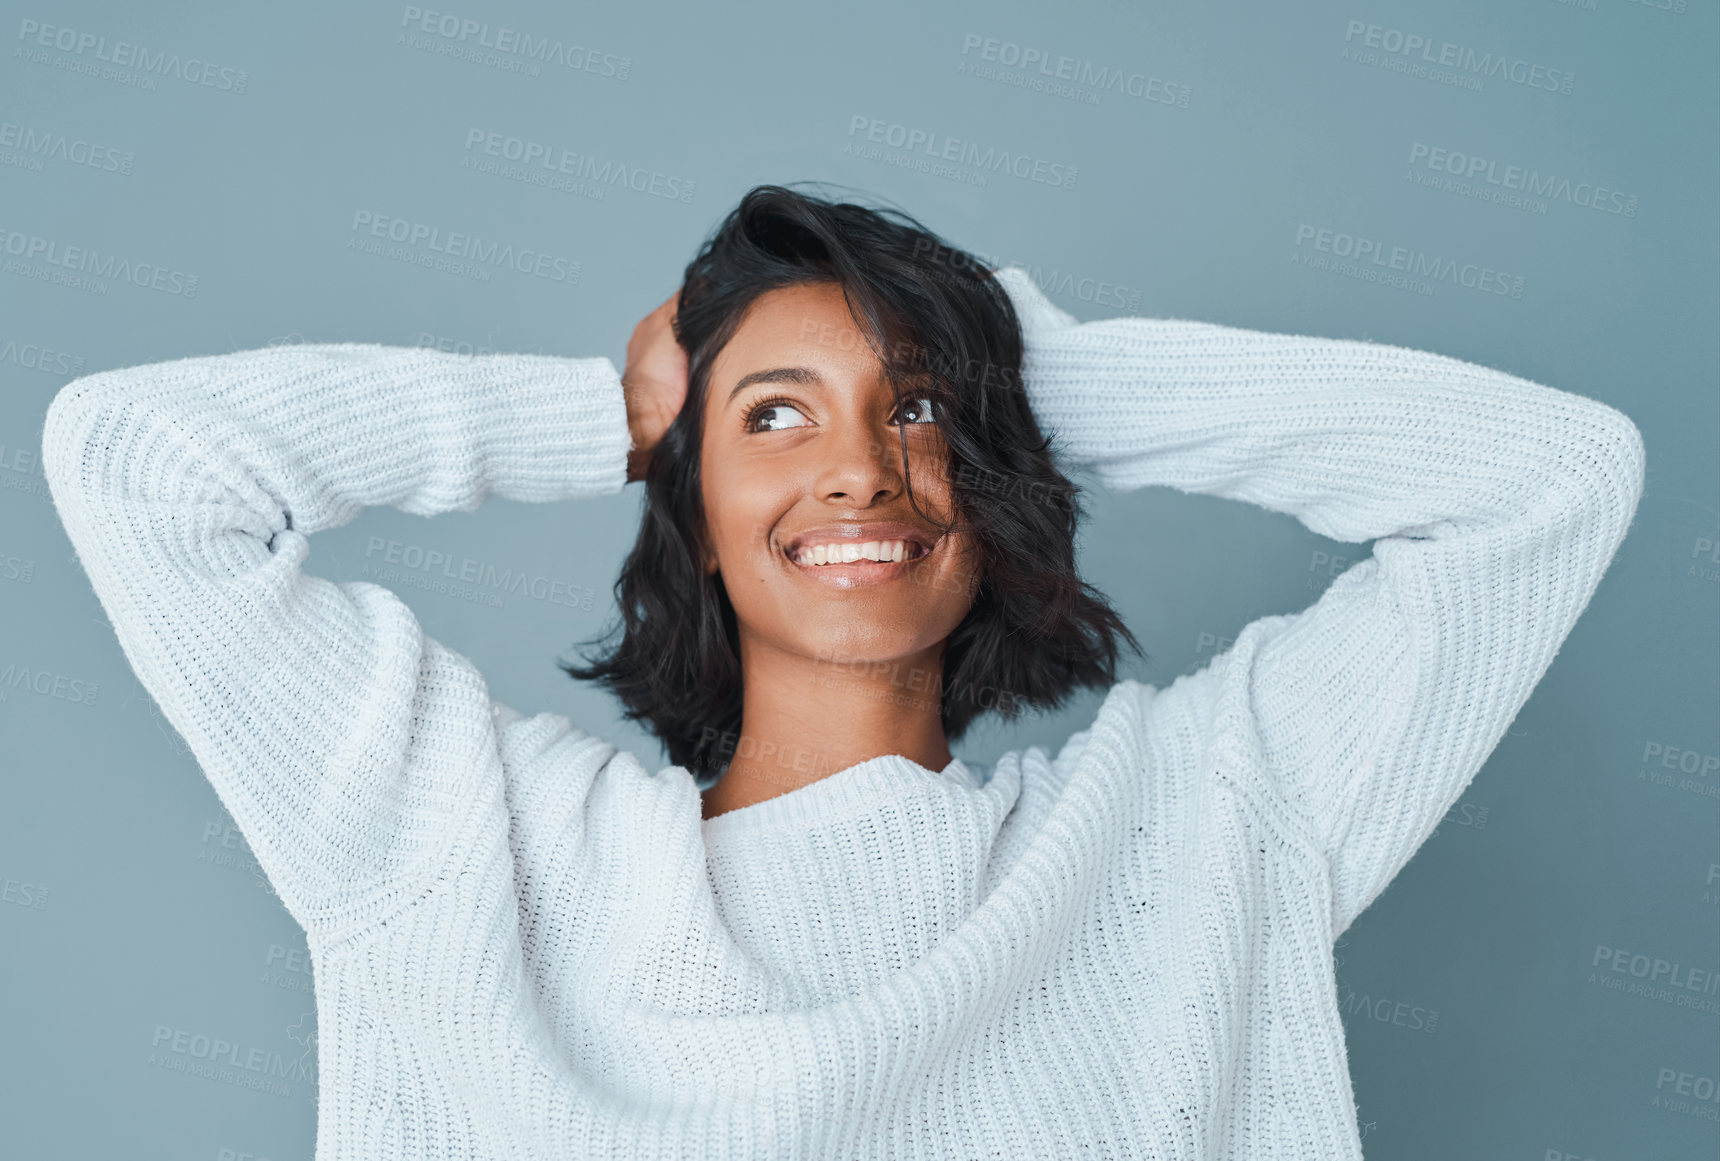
764	405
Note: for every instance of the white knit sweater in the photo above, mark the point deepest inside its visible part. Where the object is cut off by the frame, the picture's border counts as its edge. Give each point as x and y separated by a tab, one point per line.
528	945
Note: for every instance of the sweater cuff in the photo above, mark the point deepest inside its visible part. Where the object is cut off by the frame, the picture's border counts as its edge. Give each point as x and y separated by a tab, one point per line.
561	432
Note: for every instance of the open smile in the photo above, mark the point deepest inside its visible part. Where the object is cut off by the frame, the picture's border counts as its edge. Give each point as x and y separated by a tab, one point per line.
865	554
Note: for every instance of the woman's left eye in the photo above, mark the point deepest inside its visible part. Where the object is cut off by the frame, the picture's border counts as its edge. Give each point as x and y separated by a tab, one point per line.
916	411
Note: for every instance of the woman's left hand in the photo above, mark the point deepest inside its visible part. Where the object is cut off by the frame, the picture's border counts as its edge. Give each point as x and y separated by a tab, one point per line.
654	383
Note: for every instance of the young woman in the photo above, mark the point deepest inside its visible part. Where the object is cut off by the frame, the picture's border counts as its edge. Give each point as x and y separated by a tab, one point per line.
818	934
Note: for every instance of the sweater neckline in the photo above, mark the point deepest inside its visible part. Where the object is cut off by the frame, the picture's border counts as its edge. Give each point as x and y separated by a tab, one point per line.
854	790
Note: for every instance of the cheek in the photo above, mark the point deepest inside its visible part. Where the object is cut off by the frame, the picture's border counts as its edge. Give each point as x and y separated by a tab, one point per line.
961	575
741	509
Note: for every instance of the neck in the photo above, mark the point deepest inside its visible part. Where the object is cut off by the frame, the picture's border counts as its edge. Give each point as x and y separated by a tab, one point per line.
806	718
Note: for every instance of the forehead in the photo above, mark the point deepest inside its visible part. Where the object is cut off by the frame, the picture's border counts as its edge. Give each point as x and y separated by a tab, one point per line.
807	325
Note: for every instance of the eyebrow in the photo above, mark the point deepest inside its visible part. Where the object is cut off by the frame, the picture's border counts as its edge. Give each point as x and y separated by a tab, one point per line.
802	376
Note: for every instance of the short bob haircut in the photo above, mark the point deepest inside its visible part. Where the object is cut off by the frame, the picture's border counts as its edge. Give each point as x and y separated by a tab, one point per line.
942	327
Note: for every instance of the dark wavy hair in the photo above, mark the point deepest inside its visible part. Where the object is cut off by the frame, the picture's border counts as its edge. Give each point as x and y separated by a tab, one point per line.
941	325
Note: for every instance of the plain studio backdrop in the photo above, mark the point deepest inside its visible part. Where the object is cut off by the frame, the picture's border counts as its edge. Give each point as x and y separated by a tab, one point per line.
1528	186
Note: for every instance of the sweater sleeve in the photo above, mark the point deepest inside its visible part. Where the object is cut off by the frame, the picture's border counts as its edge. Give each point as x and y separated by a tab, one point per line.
344	741
1495	505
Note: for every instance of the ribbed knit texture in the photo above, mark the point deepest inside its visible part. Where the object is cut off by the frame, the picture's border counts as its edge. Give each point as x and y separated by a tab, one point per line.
527	945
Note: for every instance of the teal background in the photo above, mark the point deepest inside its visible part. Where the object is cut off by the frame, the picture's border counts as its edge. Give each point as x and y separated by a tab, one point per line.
1478	1023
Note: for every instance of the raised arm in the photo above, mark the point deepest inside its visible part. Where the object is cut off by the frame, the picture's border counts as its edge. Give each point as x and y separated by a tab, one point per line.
345	742
1496	505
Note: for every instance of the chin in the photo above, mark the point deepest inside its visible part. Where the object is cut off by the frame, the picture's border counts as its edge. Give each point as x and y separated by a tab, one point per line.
857	640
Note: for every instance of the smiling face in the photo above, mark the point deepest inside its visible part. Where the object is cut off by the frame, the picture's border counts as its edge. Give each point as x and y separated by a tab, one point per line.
801	462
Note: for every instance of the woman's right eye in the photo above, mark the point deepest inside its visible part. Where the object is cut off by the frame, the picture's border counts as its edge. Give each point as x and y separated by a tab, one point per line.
774	417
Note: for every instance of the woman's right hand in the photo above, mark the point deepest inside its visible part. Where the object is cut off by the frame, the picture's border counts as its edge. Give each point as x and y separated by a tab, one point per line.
654	383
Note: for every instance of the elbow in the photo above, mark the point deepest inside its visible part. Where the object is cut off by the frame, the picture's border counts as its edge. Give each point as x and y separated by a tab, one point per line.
1601	476
78	434
64	426
1581	457
1616	462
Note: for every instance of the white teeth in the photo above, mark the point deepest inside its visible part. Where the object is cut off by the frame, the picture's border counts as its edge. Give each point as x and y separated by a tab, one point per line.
883	551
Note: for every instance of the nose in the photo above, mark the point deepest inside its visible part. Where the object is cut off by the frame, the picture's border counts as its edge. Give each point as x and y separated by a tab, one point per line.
859	465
